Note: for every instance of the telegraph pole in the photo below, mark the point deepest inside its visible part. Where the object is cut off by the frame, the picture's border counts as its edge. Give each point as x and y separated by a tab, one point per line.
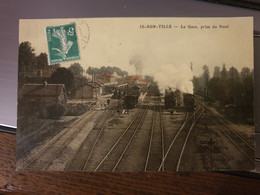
82	87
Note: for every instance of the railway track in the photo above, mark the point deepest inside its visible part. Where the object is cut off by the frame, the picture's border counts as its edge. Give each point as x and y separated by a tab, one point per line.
117	151
162	133
44	157
173	155
156	146
194	121
100	120
150	142
86	148
241	144
26	162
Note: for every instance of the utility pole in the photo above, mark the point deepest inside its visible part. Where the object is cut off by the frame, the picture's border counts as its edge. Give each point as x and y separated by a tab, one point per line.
205	93
82	87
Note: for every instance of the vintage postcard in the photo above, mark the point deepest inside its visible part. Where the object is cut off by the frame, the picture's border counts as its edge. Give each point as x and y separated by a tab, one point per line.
136	94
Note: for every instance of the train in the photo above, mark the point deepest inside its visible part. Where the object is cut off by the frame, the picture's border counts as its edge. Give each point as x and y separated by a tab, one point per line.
176	100
189	101
153	90
129	95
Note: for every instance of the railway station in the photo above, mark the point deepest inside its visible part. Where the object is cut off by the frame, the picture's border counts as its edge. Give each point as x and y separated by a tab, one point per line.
138	129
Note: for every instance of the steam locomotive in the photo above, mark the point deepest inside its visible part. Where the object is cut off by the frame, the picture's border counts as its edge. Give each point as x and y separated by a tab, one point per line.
178	101
189	101
129	95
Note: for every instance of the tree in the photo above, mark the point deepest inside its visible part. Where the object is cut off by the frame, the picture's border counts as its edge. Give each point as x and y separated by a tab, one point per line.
92	70
218	90
233	73
197	85
234	85
119	72
76	70
63	76
106	70
79	80
224	72
206	74
54	66
26	59
245	72
205	77
42	61
247	79
149	78
216	72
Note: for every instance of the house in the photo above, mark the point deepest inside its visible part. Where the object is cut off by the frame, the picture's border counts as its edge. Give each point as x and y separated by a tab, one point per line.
130	80
89	91
105	77
43	95
108	88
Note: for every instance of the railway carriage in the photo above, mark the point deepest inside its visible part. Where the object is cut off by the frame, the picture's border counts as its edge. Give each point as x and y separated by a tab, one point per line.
131	97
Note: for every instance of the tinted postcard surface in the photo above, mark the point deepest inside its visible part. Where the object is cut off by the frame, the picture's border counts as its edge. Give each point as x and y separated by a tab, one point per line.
136	94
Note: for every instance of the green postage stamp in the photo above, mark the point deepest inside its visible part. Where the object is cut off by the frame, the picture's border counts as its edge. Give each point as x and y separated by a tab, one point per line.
62	43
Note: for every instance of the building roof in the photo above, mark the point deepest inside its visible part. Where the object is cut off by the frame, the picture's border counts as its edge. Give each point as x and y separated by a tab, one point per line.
111	84
106	75
100	82
94	84
138	78
42	89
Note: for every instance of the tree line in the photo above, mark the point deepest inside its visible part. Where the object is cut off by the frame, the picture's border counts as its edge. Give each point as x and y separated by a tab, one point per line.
106	70
227	87
73	77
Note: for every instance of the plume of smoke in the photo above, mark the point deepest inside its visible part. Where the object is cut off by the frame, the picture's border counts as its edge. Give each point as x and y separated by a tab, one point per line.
137	63
176	77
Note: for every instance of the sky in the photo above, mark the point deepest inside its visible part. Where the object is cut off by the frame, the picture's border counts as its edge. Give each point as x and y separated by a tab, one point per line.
160	52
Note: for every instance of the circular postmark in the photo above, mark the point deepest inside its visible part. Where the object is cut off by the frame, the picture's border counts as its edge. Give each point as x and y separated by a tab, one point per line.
84	33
